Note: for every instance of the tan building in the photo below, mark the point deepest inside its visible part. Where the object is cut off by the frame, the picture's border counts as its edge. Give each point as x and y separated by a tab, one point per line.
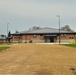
47	35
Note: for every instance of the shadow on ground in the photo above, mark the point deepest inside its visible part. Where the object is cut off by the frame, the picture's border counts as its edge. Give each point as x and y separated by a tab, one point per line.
43	72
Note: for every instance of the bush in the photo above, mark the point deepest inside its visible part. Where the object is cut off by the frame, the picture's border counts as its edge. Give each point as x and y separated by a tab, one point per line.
30	41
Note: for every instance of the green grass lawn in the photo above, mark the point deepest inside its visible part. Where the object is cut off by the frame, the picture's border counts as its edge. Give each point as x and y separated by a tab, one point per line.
4	48
6	43
71	45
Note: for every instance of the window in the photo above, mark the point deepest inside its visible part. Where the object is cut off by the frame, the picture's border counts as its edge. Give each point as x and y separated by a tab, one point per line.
69	37
75	34
61	34
72	37
64	34
34	36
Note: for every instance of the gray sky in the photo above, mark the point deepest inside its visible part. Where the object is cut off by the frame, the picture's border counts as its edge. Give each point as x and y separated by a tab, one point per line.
23	14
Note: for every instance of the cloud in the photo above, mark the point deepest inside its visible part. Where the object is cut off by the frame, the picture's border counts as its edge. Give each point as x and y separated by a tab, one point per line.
36	12
36	8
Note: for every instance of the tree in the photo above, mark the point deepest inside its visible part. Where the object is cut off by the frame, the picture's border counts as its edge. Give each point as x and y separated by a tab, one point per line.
2	35
66	28
34	28
9	37
16	31
9	34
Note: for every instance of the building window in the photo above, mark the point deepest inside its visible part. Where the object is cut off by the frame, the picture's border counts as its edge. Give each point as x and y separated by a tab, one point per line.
34	36
69	37
75	34
64	34
72	37
61	34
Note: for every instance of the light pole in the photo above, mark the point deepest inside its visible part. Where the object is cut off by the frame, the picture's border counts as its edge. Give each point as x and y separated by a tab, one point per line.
7	32
59	27
7	29
75	38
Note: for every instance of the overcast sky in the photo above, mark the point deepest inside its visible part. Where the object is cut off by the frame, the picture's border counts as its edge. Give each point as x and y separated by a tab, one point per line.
23	14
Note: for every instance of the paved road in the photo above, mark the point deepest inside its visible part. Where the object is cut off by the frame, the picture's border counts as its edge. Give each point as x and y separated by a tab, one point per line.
37	59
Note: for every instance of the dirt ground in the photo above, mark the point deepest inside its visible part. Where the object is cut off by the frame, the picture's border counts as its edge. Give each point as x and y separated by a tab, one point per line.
37	59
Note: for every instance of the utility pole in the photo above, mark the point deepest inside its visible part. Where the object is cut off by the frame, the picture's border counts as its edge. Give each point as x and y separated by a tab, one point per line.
59	27
7	32
75	38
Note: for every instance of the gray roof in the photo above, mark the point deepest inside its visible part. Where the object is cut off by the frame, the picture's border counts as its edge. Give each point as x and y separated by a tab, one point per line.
45	30
2	38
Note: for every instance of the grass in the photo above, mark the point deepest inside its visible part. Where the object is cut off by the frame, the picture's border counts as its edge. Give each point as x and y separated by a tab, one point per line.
6	43
71	45
4	48
74	70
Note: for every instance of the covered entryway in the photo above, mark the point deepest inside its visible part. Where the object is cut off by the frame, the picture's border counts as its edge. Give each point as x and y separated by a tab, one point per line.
50	38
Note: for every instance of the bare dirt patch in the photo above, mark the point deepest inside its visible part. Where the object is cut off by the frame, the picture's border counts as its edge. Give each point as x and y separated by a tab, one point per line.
35	59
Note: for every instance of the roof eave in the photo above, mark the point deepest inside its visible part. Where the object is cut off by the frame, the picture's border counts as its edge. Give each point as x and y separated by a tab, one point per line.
47	33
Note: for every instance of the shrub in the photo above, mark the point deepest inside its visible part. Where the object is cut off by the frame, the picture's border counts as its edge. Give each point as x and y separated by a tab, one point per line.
30	41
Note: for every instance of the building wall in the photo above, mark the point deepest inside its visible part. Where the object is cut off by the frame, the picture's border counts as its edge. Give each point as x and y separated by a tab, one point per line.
1	41
16	38
34	38
65	38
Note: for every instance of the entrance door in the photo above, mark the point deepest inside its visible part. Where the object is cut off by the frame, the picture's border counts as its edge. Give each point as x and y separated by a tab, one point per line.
52	39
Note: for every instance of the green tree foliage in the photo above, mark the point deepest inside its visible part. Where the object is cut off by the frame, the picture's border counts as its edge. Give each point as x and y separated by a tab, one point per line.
2	35
66	28
34	28
16	31
9	34
9	37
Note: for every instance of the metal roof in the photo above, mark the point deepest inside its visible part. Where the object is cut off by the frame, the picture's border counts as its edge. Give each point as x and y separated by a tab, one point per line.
2	38
45	30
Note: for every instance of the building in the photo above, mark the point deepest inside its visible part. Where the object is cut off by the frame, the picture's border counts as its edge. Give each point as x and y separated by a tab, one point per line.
2	39
47	35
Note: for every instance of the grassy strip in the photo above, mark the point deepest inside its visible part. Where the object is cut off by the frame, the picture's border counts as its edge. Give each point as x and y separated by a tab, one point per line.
6	43
4	48
71	45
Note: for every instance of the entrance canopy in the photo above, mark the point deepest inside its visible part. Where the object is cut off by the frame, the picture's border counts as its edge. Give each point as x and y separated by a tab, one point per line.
50	35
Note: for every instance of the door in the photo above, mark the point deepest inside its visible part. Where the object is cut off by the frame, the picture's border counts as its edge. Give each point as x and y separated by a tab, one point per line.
52	39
